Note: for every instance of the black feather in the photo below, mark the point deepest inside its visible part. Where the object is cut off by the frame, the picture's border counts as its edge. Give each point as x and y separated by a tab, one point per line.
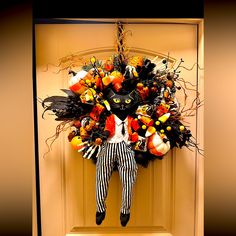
69	92
54	99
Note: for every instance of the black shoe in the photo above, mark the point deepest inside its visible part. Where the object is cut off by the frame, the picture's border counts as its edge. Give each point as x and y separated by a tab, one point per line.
124	218
100	216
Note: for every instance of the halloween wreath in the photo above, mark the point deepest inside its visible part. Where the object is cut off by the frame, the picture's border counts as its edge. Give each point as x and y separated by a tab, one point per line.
122	106
135	87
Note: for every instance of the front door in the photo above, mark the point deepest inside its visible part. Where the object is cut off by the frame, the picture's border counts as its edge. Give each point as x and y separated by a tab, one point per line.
168	193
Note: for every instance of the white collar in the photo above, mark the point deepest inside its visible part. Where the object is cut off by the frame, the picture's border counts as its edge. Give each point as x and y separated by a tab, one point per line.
119	121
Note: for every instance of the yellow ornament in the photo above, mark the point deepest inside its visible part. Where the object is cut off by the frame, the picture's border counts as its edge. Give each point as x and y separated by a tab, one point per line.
162	131
93	60
181	128
144	126
168	128
157	122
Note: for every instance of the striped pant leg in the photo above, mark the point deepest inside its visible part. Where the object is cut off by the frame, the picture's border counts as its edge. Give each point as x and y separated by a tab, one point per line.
127	168
104	167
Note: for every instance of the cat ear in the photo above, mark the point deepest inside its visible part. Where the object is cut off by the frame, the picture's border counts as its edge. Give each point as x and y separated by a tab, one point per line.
110	93
133	94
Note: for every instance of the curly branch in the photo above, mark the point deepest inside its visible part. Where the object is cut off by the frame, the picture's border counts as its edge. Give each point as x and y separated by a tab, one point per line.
60	128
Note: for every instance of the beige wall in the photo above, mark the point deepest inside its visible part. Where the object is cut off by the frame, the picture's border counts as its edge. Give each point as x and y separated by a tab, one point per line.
16	119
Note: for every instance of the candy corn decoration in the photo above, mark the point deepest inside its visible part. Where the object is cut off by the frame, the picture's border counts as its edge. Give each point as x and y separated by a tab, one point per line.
106	80
76	84
107	105
146	120
116	78
150	131
164	118
88	96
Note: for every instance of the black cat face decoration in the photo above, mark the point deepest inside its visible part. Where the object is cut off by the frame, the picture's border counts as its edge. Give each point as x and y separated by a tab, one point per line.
122	102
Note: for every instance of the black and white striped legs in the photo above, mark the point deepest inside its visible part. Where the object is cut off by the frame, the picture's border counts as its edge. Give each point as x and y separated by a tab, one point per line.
123	154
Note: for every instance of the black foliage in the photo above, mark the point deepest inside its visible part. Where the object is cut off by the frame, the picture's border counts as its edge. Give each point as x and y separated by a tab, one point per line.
65	108
145	70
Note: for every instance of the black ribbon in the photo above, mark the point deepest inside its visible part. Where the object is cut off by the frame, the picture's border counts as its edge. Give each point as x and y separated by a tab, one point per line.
123	128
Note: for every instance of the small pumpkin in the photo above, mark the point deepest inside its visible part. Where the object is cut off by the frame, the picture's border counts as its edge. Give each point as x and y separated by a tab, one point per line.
157	146
75	141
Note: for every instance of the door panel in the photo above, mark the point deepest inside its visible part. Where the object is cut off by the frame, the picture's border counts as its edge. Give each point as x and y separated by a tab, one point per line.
164	200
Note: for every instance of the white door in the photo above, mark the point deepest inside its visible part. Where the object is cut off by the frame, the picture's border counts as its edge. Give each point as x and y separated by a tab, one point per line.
168	193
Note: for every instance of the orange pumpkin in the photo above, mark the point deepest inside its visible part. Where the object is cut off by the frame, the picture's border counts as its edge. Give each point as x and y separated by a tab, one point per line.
157	146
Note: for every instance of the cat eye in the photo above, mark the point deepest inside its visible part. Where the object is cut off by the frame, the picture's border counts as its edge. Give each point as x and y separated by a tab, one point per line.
116	100
128	101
